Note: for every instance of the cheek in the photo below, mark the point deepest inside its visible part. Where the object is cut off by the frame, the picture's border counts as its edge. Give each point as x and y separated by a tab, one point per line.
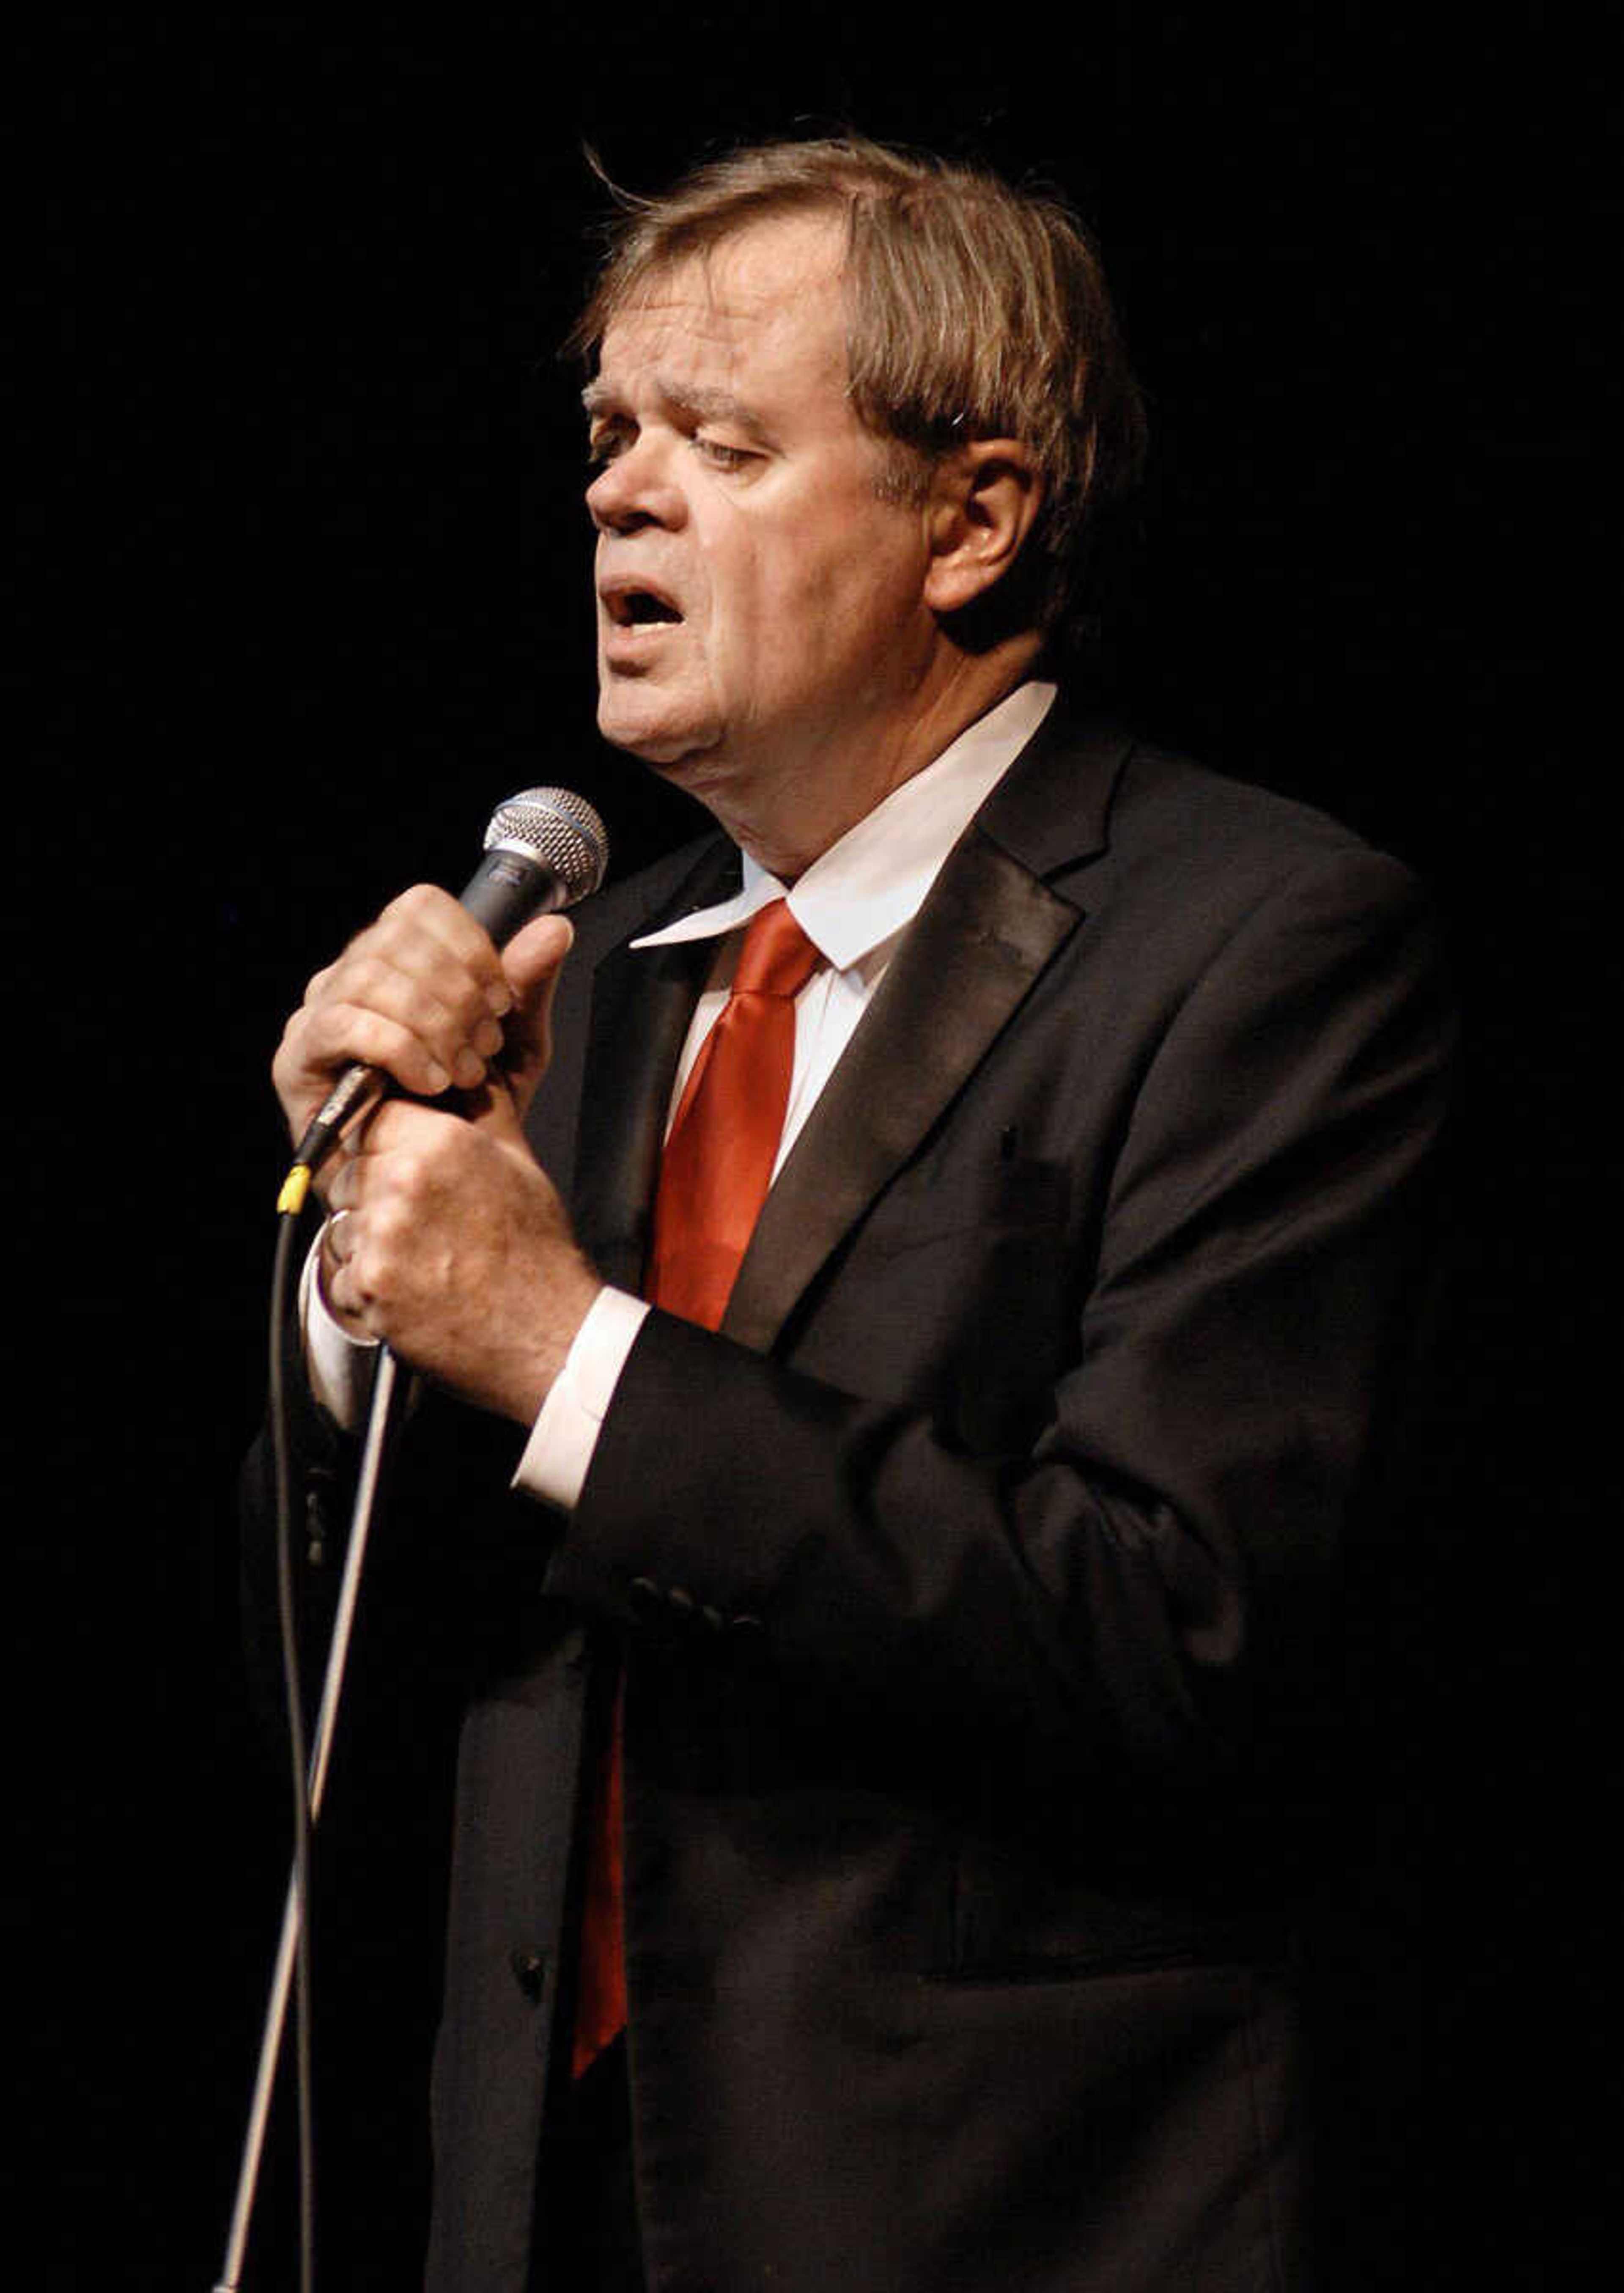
858	605
749	607
794	604
780	596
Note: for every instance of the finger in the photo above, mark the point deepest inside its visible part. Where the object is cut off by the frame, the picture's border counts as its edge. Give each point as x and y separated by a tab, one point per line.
413	1013
534	960
319	1044
436	1004
344	1296
339	1238
419	994
431	938
427	919
534	955
426	963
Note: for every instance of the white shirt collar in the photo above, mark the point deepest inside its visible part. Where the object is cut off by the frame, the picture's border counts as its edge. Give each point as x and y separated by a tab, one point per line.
870	883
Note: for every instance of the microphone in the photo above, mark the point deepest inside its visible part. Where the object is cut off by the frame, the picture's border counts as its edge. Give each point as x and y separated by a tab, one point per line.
545	849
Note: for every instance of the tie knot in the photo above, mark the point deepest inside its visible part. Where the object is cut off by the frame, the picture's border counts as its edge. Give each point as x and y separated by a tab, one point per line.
777	958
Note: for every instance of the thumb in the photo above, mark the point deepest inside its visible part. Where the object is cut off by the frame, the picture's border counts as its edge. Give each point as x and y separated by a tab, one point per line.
532	961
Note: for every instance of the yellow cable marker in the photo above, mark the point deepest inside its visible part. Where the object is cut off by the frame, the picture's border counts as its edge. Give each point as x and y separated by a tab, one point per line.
295	1185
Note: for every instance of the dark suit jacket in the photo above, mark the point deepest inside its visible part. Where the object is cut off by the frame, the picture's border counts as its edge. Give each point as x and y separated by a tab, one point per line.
977	1583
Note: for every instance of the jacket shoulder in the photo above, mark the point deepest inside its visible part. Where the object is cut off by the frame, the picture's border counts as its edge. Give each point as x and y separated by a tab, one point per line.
1168	800
1174	830
1092	793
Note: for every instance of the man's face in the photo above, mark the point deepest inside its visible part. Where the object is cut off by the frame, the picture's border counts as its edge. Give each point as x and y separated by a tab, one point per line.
760	615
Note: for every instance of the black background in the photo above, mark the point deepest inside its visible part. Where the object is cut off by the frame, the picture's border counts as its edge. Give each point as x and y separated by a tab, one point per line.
302	591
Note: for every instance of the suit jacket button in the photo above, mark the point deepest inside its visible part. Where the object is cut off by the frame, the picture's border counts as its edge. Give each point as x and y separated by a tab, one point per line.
713	1619
318	1488
646	1597
530	1972
681	1604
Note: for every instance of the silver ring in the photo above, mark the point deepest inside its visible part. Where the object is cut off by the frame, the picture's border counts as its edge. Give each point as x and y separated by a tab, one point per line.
333	1223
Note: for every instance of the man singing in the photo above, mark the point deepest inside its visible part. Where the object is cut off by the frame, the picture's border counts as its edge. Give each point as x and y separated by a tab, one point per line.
938	1252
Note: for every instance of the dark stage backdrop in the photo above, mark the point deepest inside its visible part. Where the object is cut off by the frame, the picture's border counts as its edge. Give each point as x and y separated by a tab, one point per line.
301	590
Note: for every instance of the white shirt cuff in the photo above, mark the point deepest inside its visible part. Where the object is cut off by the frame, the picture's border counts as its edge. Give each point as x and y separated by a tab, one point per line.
340	1368
559	1450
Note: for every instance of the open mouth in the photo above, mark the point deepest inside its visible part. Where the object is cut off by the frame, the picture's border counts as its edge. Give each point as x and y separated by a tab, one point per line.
637	608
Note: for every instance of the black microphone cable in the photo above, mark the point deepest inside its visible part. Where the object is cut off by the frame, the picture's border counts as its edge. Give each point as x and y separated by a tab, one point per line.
292	1692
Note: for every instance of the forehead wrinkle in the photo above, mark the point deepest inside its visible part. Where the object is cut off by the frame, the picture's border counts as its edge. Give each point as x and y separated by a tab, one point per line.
706	400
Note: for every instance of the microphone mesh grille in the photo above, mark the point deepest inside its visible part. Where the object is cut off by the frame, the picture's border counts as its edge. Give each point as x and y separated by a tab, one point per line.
561	828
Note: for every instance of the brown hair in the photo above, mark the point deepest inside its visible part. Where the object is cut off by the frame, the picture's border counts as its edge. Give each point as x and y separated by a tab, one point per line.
974	310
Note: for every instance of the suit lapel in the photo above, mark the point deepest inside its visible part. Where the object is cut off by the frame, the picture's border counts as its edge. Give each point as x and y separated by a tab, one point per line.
985	934
641	1002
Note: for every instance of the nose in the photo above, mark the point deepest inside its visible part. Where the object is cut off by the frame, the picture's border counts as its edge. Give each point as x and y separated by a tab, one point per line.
635	489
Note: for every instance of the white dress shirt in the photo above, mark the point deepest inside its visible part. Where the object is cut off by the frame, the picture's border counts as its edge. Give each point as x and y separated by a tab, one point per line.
853	903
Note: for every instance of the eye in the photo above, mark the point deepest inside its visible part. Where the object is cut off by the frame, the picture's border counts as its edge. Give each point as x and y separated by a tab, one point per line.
722	456
605	441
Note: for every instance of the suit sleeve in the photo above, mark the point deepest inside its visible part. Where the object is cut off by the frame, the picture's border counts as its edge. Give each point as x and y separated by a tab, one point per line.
1150	1581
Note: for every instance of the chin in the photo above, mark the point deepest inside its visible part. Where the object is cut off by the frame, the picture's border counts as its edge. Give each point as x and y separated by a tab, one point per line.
662	750
653	736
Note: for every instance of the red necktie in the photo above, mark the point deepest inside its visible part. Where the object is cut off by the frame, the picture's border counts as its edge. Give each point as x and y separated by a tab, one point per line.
712	1180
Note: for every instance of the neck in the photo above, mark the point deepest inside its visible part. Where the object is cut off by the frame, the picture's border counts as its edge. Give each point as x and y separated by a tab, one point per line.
786	818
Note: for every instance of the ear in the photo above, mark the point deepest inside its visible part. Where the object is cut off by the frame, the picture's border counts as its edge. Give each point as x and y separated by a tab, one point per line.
985	499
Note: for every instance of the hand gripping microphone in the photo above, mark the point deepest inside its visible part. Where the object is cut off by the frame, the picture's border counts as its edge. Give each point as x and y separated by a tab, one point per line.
545	849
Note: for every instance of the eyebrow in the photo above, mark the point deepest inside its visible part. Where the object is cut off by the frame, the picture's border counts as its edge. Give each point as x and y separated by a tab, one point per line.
694	398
